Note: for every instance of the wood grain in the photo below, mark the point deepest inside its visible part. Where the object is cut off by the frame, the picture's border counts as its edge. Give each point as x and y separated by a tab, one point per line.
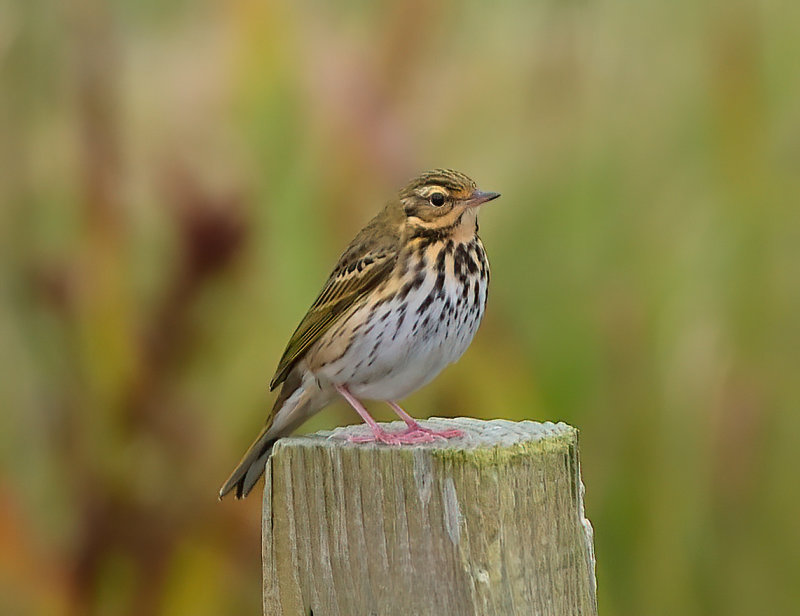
491	523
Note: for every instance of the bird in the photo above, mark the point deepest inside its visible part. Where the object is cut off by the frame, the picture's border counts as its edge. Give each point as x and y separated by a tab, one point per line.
404	300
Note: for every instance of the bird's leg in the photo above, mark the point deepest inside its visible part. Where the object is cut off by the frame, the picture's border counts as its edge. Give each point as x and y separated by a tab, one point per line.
379	434
415	429
415	433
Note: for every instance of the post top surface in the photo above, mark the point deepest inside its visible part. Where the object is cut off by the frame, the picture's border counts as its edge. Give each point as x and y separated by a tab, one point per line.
478	433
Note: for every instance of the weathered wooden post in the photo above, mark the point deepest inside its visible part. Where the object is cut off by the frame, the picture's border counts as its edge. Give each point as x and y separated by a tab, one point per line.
491	523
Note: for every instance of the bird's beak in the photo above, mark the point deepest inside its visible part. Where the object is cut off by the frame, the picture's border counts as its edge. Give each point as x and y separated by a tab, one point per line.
479	197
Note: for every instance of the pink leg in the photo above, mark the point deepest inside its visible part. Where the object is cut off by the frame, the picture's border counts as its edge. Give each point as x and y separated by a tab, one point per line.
378	433
415	429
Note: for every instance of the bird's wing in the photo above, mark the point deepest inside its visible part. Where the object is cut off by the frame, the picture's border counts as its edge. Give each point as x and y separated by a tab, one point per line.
361	268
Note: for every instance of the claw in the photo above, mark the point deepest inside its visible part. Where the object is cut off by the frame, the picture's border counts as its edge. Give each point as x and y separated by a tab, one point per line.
434	434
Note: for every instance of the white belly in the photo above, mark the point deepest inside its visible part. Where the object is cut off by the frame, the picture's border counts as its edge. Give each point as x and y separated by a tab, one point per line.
408	341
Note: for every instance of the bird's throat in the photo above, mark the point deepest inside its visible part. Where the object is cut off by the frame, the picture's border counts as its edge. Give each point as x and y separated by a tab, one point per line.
461	227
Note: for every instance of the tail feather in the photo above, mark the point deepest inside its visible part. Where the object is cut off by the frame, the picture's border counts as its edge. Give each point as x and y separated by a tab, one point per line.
251	467
294	404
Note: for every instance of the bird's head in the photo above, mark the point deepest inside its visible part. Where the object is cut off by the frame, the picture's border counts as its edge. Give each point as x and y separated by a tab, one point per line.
442	200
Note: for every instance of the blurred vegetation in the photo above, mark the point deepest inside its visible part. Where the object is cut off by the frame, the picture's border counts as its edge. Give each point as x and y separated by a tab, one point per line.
177	179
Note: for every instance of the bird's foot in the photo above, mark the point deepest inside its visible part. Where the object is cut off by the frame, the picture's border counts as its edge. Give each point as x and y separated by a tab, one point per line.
412	435
418	431
392	438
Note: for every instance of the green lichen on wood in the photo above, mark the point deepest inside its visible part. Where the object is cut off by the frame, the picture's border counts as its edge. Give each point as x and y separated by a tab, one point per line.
501	455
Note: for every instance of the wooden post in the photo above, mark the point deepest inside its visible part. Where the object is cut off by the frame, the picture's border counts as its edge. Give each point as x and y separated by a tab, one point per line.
491	523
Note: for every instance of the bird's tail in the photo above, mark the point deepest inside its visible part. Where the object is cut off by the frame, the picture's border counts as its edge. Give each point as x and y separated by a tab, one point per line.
293	406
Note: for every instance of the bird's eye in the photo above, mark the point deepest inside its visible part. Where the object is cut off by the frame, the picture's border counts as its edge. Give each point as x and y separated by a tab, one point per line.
437	199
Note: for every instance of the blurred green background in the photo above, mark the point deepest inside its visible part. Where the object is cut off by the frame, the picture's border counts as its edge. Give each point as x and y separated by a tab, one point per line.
177	179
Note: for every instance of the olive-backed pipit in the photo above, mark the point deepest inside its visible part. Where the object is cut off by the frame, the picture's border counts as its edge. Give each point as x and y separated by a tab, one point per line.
404	300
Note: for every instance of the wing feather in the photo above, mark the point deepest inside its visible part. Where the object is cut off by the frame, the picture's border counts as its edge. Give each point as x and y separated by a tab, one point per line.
356	274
